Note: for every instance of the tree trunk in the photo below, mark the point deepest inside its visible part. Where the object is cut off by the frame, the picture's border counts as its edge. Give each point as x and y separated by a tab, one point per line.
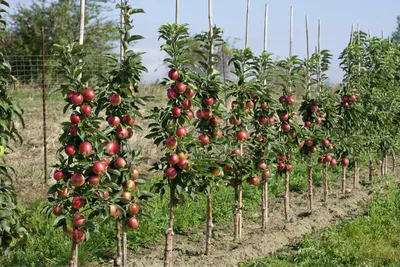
124	247
356	174
286	198
371	171
118	259
210	225
326	186
310	185
264	205
344	179
74	255
393	161
237	215
383	165
386	162
170	231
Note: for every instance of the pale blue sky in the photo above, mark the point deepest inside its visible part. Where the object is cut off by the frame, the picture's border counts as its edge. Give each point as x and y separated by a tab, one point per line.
336	16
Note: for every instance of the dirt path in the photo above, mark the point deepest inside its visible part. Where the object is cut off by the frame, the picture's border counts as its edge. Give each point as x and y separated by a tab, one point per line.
255	243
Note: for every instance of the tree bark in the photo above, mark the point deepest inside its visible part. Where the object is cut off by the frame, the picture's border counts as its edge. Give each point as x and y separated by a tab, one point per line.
344	179
310	185
124	247
237	215
356	174
286	198
383	165
118	259
170	231
386	162
74	255
326	186
371	171
209	225
393	161
264	205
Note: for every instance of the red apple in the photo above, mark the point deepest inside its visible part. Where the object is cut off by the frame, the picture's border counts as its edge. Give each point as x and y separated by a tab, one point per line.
176	112
326	143
181	132
126	196
58	175
313	149
204	139
250	104
171	173
64	193
318	120
86	109
271	120
353	98
127	119
133	209
199	114
73	130
281	166
130	132
215	121
173	159
264	106
282	157
186	104
88	94
122	133
314	108
57	211
70	150
119	163
180	88
260	139
289	167
78	202
85	148
254	180
333	163
115	100
345	98
78	236
208	101
75	119
266	174
235	121
183	164
321	159
132	223
99	168
134	173
112	148
114	211
346	105
77	99
94	180
77	180
171	94
284	116
113	121
171	142
262	165
307	123
282	99
78	220
217	134
242	135
206	114
263	120
328	158
190	115
129	185
173	74
189	93
290	100
286	127
345	162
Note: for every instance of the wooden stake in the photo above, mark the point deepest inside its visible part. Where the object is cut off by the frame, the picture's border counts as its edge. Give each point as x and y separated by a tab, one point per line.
344	179
352	33
118	259
386	162
286	198
209	225
177	12
264	206
393	161
266	28
326	185
310	185
246	44
168	260
319	57
124	246
74	255
123	28
291	32
44	109
356	171
370	170
82	22
308	56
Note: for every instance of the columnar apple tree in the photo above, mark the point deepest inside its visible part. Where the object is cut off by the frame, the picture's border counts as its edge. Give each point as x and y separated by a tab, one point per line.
10	114
121	99
170	124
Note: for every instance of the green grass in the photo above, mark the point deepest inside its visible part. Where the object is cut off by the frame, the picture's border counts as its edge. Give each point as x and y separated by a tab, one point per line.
371	240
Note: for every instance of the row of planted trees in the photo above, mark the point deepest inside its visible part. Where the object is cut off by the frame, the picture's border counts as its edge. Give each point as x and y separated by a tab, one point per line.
214	132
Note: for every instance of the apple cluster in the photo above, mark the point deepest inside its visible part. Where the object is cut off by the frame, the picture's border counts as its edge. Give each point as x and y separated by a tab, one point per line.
347	100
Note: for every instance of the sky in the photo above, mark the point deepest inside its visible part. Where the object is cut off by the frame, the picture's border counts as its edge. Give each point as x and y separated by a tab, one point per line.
336	19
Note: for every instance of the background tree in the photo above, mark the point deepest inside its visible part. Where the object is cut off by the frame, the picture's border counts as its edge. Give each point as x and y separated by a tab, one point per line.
396	33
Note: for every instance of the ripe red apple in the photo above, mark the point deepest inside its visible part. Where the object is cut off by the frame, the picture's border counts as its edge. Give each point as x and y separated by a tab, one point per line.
85	148
214	121
290	100
266	174
171	173
345	162
228	168
183	164
70	150
190	115
119	163
326	143
333	163
204	139
282	157
58	175
250	104
235	121
112	148
262	165
293	134
264	106
75	118
242	135
176	112
271	120
346	105
77	180
206	114
282	99
208	101
173	159
321	159
183	154
217	134
353	98
73	130
314	108
133	209
171	94
78	202
328	158
181	132
281	166
318	120
254	96
173	74
286	127
345	98
260	139
78	220
99	168
64	193
307	123
113	121
70	94
246	111
313	149
126	196
86	109
127	119
254	180
94	180
289	167
88	94
77	99
78	236
199	114
171	142
132	223
189	93
114	211
186	104
134	173
263	120
130	132
57	211
129	185
122	133
284	116
115	99
180	88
